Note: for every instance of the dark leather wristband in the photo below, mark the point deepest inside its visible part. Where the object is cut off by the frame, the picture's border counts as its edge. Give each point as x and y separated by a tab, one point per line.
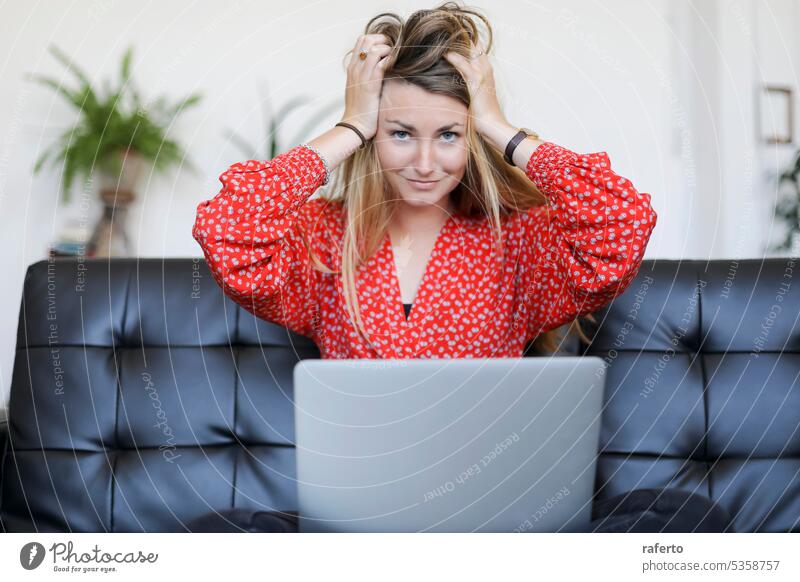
515	141
361	135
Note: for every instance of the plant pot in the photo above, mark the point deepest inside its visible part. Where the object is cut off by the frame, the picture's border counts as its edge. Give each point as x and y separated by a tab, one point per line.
119	179
124	171
794	249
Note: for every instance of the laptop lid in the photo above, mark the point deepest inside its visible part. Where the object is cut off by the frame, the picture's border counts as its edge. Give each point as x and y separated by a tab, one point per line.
447	445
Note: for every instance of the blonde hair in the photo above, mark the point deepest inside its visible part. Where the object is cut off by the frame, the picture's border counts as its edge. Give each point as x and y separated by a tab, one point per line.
490	186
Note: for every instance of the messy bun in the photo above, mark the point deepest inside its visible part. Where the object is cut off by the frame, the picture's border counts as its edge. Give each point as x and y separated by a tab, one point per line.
420	43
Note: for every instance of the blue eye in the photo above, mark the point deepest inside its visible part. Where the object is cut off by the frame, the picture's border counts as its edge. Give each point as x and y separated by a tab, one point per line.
452	133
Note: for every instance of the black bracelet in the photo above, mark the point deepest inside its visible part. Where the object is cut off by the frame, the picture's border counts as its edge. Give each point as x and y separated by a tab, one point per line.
361	135
522	134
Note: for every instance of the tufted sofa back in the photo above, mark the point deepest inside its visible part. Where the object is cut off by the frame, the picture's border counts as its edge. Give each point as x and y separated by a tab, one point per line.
702	387
143	397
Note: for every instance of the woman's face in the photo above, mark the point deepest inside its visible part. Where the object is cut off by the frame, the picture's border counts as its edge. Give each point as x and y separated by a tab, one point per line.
421	136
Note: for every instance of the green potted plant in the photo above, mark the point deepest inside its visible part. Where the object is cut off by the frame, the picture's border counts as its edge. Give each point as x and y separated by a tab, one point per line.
273	121
115	137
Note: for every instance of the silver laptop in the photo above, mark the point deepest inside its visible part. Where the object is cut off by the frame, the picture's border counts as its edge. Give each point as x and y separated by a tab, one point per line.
447	445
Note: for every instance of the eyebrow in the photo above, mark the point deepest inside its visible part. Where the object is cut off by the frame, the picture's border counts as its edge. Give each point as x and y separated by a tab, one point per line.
412	128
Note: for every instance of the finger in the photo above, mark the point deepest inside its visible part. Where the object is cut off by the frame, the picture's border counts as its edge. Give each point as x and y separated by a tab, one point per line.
356	50
380	38
457	60
360	43
477	53
377	55
363	46
473	53
374	55
379	49
463	66
371	40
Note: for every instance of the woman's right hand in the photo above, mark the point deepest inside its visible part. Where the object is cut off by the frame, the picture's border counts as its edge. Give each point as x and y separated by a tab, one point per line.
364	81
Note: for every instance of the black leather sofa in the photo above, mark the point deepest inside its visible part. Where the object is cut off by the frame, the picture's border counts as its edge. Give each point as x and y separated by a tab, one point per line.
143	397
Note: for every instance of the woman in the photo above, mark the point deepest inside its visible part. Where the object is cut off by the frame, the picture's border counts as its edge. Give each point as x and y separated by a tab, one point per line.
488	236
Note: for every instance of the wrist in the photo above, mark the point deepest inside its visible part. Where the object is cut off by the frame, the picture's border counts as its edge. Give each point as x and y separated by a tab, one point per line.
335	145
498	133
355	121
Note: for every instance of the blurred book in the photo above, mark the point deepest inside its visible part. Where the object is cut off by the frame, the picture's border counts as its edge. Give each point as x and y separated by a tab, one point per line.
71	241
69	249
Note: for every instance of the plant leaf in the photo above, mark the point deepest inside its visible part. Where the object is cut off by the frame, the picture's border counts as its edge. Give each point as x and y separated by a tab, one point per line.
42	159
180	107
73	98
107	125
125	67
67	62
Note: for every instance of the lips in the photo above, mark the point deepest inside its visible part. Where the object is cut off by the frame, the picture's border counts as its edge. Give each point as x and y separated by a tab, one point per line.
428	185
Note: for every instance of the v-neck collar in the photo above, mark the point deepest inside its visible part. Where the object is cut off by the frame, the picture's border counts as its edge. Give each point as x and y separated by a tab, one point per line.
389	333
434	282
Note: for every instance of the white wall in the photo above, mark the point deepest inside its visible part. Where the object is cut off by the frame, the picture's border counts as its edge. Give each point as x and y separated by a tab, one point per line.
758	45
666	87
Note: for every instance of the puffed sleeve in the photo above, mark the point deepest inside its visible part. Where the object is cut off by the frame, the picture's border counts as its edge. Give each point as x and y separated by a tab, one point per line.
586	245
250	233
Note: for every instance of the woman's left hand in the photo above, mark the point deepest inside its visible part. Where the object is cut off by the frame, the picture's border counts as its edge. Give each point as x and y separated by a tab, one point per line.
479	77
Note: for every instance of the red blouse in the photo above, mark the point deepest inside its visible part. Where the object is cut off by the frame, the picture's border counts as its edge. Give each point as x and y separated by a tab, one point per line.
467	305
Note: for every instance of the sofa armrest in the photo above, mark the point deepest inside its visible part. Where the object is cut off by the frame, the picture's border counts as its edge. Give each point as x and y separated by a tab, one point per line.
3	444
3	439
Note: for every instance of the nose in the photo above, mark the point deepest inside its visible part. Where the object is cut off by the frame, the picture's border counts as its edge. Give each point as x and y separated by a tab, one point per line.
424	158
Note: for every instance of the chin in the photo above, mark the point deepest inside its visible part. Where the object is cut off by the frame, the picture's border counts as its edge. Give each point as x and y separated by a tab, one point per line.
421	200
